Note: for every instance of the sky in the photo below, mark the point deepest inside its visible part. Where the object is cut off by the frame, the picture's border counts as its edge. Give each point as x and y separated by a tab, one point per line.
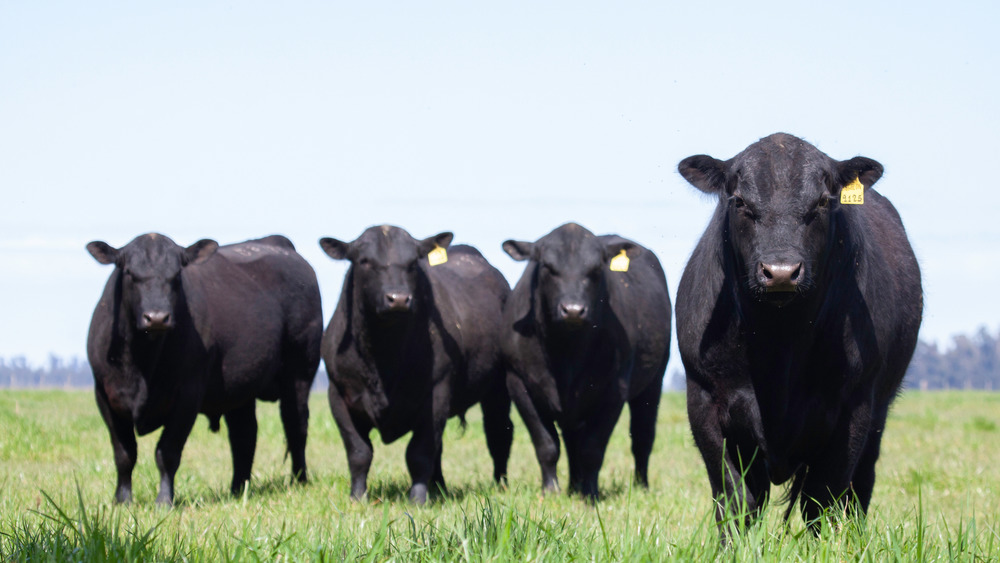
234	120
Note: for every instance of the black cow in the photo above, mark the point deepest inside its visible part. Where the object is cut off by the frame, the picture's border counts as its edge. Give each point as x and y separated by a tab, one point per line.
205	329
415	340
586	330
796	317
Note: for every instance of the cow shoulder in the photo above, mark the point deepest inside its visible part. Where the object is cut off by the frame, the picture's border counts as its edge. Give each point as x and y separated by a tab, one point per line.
702	298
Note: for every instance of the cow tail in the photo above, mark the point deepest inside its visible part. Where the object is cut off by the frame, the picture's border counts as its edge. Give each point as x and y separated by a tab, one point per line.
213	423
792	496
461	421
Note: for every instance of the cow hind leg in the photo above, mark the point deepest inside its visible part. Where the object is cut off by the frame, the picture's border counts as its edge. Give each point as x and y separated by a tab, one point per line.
295	420
498	428
241	423
642	427
863	482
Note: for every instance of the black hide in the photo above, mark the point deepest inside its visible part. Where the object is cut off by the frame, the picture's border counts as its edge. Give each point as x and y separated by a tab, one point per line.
796	318
204	329
581	340
410	345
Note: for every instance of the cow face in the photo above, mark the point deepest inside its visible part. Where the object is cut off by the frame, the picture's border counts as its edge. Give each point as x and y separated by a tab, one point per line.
386	264
572	265
150	268
780	195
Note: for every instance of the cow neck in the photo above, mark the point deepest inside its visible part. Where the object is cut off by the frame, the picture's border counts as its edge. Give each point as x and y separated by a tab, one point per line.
568	351
134	350
383	342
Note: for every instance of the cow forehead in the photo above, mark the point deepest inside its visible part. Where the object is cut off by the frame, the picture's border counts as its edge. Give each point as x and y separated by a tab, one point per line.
387	245
153	255
786	171
570	246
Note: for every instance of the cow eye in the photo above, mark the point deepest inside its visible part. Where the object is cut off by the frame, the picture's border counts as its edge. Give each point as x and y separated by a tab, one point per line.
411	267
552	271
364	262
821	205
741	205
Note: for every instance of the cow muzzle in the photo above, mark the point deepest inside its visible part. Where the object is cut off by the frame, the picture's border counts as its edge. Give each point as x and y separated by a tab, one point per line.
397	302
779	277
572	313
156	321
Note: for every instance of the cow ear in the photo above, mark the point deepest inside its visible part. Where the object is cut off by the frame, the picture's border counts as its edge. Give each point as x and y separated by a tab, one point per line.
866	170
704	172
102	252
615	248
199	251
519	250
336	249
441	240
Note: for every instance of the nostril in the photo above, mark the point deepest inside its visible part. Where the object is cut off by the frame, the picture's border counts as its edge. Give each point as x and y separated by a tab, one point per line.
796	272
766	271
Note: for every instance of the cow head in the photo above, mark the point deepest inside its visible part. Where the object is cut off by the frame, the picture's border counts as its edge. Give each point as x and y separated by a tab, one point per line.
571	269
150	269
780	196
386	265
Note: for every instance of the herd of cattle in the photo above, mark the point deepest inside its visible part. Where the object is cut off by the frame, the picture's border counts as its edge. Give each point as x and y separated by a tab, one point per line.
797	315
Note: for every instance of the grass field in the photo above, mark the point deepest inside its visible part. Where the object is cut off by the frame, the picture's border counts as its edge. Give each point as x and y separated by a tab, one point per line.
937	496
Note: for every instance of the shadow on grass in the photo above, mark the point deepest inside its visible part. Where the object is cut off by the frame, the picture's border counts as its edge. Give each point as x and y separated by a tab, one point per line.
268	487
398	490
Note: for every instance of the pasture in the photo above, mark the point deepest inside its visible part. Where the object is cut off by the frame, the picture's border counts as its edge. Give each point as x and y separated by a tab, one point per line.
937	495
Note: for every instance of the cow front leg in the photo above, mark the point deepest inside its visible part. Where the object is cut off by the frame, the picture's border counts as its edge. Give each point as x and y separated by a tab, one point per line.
737	472
828	483
423	453
168	450
241	423
354	432
122	442
542	430
423	462
586	444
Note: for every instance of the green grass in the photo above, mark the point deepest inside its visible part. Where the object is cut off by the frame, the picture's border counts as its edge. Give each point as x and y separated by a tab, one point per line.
937	496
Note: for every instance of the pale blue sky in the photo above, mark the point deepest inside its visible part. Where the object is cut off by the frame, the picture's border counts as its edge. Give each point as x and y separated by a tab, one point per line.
236	120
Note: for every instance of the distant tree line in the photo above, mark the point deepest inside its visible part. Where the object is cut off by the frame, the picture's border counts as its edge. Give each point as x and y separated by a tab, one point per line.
57	373
17	373
970	362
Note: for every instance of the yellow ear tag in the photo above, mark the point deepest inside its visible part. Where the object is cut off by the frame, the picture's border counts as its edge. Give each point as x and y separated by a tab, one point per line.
620	263
437	256
853	193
